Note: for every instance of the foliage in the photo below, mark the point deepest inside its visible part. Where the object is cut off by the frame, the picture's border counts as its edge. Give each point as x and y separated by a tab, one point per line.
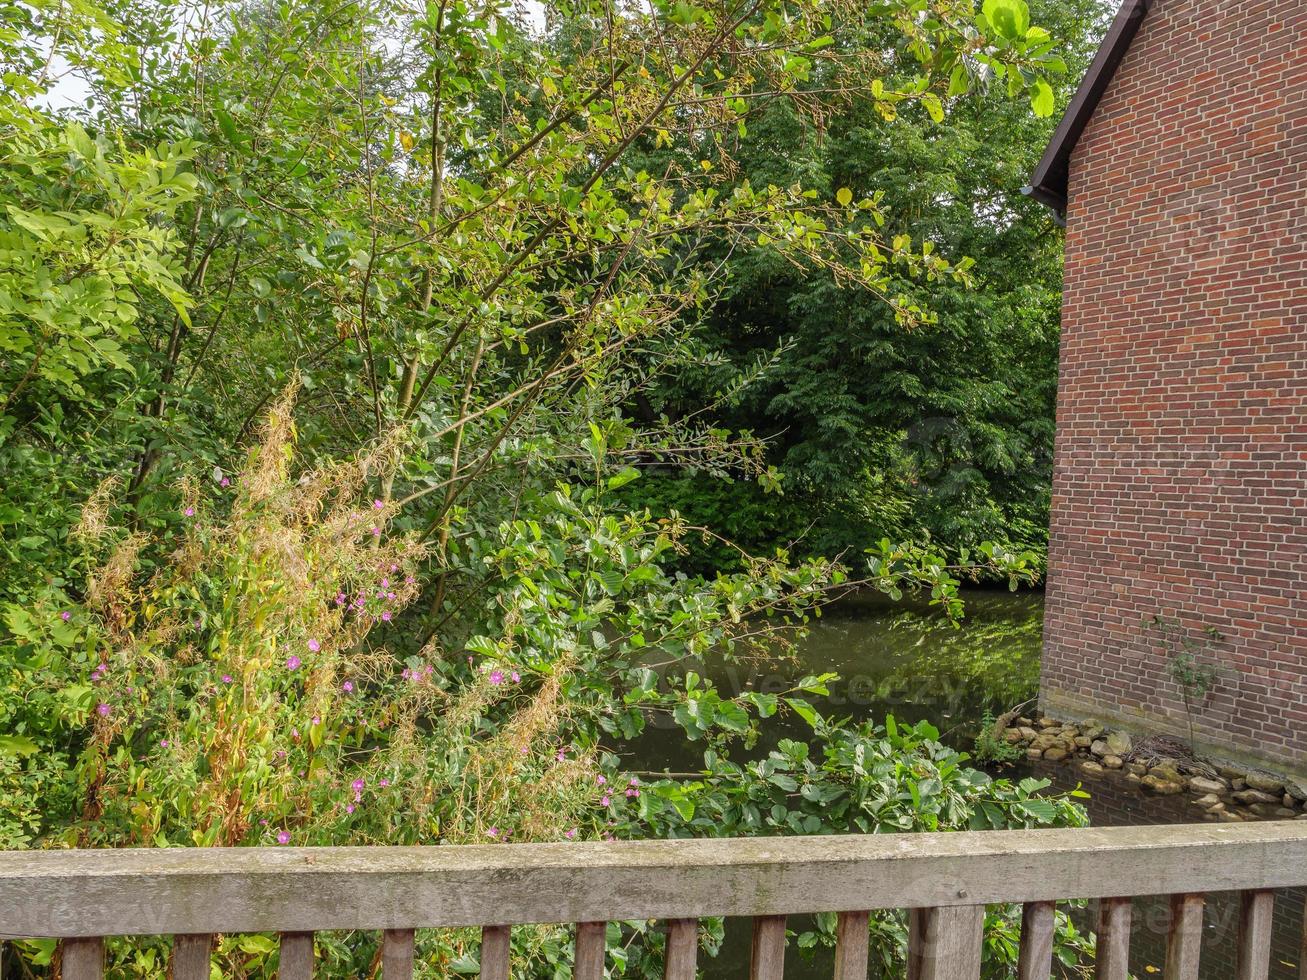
78	244
241	689
943	430
444	250
990	748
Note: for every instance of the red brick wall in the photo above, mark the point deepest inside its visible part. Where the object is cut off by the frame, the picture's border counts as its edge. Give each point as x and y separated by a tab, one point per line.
1180	477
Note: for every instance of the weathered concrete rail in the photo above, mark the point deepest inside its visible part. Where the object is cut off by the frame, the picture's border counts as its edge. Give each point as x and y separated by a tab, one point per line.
81	896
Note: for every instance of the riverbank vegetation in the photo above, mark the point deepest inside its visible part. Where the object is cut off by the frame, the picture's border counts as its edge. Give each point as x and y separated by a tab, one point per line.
396	400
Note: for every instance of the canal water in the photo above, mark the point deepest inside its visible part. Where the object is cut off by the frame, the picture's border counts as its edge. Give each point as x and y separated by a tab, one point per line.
903	658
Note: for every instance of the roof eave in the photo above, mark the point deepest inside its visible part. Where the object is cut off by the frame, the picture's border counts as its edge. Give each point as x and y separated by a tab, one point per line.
1049	182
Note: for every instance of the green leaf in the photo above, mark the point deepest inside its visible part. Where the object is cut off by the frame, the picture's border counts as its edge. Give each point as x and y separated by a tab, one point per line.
308	258
11	745
732	717
1041	98
1011	18
844	196
959	82
804	710
228	127
623	478
1041	810
782	781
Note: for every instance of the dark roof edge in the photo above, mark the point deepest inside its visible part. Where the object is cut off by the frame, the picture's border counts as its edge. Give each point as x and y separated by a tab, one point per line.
1049	183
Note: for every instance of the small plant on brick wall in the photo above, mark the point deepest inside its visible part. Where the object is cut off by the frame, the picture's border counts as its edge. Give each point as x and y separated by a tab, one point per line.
1188	663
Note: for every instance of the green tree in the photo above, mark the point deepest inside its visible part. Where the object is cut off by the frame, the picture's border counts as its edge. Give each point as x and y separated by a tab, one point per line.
944	429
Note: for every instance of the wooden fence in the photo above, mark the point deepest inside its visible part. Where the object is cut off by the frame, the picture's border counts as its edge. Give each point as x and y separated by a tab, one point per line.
82	896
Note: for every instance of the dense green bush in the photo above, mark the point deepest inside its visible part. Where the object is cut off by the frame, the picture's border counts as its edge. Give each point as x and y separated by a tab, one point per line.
327	342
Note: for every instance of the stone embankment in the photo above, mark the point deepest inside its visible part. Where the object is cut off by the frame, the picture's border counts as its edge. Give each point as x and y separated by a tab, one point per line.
1162	766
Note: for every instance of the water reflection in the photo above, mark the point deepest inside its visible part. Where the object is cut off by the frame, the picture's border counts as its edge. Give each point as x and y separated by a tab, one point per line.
899	658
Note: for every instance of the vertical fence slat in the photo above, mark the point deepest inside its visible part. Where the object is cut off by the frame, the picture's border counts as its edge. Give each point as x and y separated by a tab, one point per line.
83	959
397	954
1112	961
768	959
851	946
1302	946
190	956
296	956
1184	943
1256	911
1037	920
496	951
590	949
945	943
682	949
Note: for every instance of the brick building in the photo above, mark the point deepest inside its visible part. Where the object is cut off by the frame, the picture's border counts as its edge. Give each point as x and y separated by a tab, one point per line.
1180	473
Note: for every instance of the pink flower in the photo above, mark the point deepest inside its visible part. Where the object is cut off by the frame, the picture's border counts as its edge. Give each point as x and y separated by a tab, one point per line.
384	782
605	800
385	583
570	834
349	807
293	662
492	832
65	615
409	580
316	720
377	505
632	792
283	837
525	750
189	512
103	710
376	532
347	686
601	779
163	743
385	616
102	668
226	678
515	677
224	482
315	646
496	677
562	755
